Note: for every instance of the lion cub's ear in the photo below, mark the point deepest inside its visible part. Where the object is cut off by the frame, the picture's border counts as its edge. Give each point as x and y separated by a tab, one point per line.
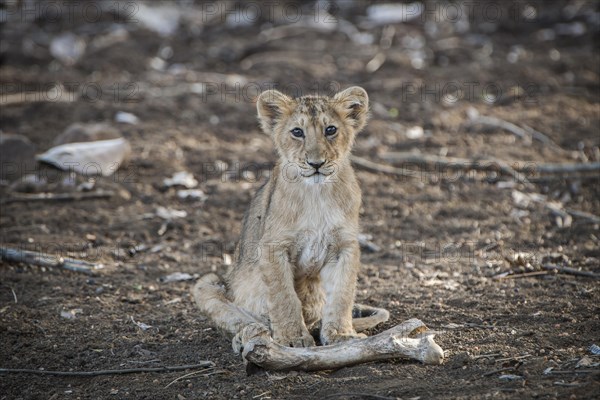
272	106
353	105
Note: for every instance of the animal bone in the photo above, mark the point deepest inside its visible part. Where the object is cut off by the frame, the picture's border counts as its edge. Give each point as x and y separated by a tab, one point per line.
410	339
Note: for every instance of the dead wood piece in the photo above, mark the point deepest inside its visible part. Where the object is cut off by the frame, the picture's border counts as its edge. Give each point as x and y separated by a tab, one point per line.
496	371
502	124
364	396
460	164
409	339
506	275
490	164
54	95
491	355
564	214
204	373
550	168
46	260
100	194
387	169
571	271
203	364
527	133
515	358
585	215
579	371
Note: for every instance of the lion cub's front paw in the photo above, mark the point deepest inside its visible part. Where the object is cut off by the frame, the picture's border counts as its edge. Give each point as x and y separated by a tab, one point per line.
341	337
294	338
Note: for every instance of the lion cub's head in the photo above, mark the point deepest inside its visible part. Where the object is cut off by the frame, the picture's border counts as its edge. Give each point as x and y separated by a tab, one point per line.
313	133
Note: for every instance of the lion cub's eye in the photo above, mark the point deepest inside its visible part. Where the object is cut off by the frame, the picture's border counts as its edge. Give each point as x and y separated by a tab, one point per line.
330	131
297	132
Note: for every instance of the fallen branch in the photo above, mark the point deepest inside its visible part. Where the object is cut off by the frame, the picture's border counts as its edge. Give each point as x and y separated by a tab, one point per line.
196	373
456	163
565	384
564	215
386	169
45	260
567	214
515	358
526	133
496	371
563	168
571	271
100	194
460	164
480	326
492	355
364	396
203	364
508	275
410	339
547	269
500	123
585	215
579	371
541	137
56	94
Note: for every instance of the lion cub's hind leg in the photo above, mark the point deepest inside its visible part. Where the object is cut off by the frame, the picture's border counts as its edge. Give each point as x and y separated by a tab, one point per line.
209	294
312	297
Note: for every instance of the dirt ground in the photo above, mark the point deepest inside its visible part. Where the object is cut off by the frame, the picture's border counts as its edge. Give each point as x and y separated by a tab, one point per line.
464	251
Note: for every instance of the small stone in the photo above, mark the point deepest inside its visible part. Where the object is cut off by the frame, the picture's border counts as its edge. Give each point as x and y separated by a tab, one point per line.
415	132
126	118
67	48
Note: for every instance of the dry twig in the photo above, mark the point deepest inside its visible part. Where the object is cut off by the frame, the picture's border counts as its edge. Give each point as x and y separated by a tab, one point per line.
492	355
526	133
585	215
100	194
196	373
361	395
506	275
490	164
570	271
458	164
497	371
513	358
386	169
203	364
45	260
563	168
579	371
565	384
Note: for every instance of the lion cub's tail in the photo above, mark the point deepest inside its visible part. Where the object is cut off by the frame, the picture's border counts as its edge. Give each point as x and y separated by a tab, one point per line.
366	317
210	296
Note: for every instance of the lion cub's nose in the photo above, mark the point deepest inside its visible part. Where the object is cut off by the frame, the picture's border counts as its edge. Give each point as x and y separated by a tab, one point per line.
316	164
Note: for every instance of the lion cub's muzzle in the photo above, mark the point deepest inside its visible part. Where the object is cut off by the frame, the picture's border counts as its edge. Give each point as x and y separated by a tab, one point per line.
317	167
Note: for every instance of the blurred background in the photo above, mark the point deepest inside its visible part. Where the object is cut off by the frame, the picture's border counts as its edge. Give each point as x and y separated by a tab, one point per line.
129	139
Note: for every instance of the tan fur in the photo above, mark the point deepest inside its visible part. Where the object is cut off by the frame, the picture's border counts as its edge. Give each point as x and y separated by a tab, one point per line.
298	256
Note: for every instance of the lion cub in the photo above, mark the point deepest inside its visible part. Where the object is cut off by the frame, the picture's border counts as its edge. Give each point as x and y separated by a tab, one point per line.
298	256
